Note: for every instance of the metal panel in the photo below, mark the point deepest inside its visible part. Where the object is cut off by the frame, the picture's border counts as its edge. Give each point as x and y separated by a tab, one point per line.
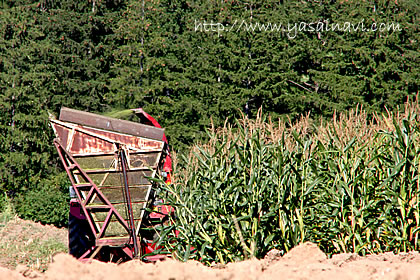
83	141
114	179
115	194
102	162
91	158
112	124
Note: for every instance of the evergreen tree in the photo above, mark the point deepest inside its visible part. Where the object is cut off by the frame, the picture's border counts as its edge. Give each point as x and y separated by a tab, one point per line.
53	54
98	55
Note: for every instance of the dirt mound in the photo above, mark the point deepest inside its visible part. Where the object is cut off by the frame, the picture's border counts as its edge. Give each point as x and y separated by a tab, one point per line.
26	248
306	252
305	261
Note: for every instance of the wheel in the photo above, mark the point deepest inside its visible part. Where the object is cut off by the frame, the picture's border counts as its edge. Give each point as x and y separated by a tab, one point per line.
80	236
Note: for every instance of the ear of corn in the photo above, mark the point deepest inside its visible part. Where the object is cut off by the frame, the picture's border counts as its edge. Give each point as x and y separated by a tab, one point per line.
349	185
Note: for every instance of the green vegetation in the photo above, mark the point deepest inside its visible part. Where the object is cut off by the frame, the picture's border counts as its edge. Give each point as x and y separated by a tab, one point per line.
349	185
113	55
7	210
40	253
47	204
29	245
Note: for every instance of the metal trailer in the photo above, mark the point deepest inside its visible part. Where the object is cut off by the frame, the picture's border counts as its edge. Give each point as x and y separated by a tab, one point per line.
108	162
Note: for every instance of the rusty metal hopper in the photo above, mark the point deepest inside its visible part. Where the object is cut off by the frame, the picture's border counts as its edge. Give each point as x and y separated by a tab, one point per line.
90	147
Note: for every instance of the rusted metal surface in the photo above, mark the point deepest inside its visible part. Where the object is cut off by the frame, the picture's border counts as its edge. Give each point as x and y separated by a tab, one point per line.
114	194
129	204
87	191
92	159
113	241
80	140
110	124
137	160
114	179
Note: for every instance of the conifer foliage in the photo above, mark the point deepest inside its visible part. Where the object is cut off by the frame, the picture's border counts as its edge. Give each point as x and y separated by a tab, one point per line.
99	55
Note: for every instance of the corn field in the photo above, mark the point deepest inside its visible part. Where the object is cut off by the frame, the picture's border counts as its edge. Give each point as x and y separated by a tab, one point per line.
349	185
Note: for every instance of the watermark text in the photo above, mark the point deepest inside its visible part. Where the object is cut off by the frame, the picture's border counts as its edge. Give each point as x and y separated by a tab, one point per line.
292	29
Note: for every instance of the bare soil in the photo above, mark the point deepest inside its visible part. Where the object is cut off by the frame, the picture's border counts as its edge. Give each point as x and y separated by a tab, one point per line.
30	244
306	261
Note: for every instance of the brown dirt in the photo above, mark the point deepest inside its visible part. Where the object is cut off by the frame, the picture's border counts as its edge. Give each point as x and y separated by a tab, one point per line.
29	244
306	261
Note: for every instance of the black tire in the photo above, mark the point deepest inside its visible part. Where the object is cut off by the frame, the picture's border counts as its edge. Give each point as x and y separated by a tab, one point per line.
80	236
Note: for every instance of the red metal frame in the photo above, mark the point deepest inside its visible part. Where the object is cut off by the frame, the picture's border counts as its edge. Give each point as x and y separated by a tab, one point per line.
88	190
70	164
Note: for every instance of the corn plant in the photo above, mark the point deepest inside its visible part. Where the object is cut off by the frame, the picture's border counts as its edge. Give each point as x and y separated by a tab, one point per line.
401	162
255	187
240	199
